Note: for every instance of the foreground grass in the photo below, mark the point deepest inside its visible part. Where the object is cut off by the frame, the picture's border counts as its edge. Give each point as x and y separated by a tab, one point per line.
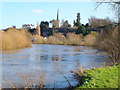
105	77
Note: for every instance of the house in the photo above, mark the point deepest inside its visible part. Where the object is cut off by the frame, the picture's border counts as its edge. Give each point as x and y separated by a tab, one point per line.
28	26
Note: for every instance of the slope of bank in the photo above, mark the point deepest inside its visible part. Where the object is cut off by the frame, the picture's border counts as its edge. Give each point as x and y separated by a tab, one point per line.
104	77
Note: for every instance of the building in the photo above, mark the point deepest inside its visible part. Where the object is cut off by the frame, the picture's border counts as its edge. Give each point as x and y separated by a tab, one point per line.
28	26
55	23
38	31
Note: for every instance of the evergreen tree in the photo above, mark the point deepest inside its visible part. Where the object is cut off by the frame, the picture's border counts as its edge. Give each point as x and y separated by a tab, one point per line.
44	25
78	19
74	23
66	24
81	30
77	23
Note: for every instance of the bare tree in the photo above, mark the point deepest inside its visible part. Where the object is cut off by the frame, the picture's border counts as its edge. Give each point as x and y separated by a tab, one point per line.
115	4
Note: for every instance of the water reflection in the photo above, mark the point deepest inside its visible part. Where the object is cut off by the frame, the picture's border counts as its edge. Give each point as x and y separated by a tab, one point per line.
54	62
56	58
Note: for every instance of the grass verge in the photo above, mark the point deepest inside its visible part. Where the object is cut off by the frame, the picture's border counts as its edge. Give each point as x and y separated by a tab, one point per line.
104	77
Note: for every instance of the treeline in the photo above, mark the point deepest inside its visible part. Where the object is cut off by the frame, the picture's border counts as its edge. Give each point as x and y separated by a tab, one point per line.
94	24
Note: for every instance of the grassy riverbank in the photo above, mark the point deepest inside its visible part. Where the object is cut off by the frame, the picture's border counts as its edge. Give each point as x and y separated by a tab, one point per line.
104	77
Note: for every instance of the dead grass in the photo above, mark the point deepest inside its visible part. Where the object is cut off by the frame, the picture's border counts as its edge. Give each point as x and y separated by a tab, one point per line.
15	39
27	80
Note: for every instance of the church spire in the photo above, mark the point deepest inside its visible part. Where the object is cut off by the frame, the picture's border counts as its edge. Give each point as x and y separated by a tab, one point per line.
58	15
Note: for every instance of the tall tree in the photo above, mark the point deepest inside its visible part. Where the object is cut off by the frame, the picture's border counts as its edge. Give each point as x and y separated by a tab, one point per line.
44	25
81	30
77	23
66	24
78	19
74	23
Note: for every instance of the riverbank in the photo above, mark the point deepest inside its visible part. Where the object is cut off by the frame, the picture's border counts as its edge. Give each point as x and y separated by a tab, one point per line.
70	39
104	77
16	39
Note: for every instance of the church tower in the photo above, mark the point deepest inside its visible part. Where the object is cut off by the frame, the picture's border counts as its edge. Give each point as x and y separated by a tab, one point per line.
55	23
38	31
58	15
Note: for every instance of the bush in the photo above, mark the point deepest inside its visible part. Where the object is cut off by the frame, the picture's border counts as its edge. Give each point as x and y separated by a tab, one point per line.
38	39
74	39
15	39
89	40
108	41
70	39
0	39
81	30
57	38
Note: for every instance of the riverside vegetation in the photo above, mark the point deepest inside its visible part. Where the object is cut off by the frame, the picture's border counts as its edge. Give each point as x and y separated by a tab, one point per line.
70	39
14	39
104	77
107	40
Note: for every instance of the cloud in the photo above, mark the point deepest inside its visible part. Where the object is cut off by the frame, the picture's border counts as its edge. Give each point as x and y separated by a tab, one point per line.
37	11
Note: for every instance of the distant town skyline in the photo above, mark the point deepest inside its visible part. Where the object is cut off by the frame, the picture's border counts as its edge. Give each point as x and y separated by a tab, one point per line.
19	13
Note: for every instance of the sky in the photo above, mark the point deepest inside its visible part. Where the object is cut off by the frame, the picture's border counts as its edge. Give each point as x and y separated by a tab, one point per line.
19	13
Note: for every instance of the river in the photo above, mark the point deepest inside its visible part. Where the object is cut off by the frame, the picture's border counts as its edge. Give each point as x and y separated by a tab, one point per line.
48	64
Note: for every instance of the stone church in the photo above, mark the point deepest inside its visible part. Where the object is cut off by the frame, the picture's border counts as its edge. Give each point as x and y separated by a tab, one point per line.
55	23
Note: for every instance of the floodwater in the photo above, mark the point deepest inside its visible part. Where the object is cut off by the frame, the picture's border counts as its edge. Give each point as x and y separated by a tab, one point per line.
52	65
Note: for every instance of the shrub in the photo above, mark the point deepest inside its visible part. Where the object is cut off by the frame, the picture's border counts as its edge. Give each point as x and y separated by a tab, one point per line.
38	39
70	39
57	38
90	39
15	39
74	39
0	39
108	41
52	40
81	30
